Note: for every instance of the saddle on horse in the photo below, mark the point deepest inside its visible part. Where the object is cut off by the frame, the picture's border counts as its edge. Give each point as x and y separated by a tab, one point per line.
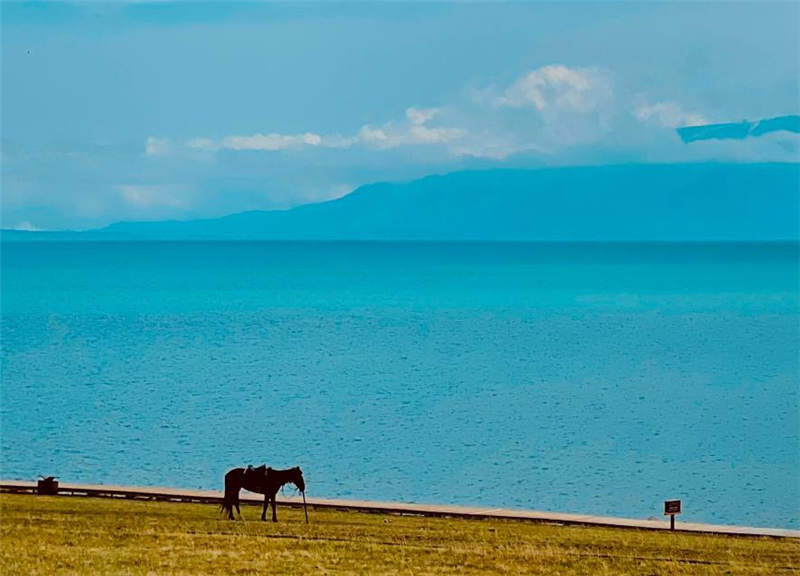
252	474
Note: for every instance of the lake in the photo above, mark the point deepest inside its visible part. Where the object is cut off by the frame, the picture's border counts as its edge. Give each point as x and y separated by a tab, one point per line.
586	378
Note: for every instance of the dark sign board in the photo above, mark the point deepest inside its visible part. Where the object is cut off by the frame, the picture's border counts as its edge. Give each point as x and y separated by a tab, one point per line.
672	507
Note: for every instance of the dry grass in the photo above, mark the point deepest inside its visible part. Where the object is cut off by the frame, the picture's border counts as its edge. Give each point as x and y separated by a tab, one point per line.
60	535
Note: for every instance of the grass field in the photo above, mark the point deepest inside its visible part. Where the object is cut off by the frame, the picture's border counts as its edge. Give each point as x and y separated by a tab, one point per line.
61	535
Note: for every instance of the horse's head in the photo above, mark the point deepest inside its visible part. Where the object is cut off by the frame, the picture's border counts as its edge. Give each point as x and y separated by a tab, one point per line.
297	479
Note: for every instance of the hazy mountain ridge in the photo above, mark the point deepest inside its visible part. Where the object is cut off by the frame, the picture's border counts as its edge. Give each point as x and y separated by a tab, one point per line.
650	202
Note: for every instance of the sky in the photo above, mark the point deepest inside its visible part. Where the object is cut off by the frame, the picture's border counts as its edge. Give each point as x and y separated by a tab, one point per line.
149	111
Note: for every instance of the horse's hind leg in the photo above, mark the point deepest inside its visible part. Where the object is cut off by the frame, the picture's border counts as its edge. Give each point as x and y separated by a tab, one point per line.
235	504
227	504
264	508
274	515
231	495
230	498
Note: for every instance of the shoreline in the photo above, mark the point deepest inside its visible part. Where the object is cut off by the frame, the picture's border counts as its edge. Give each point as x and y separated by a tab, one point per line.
399	508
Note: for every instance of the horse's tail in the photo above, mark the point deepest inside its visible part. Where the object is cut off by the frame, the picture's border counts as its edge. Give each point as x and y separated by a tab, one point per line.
231	496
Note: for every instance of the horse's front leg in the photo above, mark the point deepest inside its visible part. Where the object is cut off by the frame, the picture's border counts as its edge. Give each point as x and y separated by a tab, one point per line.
264	509
274	515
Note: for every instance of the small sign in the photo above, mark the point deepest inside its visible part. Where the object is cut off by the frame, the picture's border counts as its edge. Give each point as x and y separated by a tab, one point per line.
672	507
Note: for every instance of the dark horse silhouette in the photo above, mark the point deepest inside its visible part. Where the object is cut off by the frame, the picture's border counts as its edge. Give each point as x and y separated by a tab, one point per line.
261	480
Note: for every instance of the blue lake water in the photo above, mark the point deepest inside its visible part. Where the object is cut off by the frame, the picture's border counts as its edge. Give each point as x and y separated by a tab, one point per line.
595	379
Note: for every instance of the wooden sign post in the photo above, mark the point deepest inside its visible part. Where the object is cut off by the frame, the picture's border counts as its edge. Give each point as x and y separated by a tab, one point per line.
672	507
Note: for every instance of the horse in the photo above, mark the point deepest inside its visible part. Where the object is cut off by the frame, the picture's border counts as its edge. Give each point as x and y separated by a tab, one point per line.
261	480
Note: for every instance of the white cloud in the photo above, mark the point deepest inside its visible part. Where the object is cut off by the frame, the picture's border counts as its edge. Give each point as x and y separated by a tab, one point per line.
202	145
421	134
545	111
557	87
418	116
372	135
26	226
271	141
149	196
157	146
340	190
414	131
497	146
668	114
337	141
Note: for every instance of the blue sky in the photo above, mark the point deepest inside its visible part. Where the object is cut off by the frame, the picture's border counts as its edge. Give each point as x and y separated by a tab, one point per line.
139	111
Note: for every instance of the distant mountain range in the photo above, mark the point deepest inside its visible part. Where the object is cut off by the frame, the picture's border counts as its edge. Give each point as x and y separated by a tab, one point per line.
637	202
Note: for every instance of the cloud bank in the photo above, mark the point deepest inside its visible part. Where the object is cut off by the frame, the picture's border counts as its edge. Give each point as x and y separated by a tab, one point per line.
545	111
414	130
558	87
668	115
556	96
